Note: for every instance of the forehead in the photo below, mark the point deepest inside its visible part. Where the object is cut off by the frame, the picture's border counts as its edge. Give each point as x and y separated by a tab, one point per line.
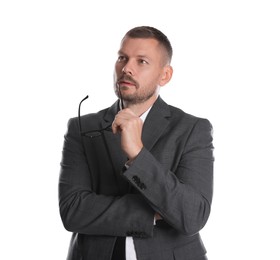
140	46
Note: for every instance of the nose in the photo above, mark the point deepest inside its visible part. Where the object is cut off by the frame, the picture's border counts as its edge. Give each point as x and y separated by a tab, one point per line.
127	69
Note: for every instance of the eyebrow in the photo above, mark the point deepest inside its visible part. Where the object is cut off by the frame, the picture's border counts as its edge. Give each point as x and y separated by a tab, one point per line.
138	56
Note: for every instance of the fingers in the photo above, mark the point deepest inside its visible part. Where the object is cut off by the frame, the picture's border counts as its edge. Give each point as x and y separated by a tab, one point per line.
130	127
125	119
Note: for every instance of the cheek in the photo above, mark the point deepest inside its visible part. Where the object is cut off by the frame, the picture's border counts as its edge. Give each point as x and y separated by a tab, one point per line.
149	83
154	78
118	69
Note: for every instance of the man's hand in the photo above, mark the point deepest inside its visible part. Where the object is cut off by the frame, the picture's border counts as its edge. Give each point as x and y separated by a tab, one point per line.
130	127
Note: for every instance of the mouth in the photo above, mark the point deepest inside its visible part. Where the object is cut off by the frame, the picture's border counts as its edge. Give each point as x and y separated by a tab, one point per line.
126	83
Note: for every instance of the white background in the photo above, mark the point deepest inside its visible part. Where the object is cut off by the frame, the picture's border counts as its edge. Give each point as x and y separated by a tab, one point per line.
226	68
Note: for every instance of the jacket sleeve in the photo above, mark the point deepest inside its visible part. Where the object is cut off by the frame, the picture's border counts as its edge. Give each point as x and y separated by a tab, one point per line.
182	197
84	211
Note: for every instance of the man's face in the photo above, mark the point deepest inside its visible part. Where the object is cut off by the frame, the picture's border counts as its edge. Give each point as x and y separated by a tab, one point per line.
138	70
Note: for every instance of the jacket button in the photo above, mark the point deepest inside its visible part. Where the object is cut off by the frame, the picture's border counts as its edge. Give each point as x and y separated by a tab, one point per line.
136	179
142	186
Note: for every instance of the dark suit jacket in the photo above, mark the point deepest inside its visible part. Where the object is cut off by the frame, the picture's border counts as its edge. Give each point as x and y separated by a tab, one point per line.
99	199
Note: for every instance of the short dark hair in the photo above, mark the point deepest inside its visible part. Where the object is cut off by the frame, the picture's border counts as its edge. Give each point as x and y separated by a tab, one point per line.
147	32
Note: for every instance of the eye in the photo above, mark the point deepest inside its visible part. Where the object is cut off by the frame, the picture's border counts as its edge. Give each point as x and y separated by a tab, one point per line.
121	58
141	61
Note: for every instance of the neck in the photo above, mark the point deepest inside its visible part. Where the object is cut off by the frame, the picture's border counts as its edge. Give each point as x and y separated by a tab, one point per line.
140	108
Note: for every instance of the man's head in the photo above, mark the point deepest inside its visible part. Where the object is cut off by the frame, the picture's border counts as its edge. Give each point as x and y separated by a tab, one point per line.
143	65
147	32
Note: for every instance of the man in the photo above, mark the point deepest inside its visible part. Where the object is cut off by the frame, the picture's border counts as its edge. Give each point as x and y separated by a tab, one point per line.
136	178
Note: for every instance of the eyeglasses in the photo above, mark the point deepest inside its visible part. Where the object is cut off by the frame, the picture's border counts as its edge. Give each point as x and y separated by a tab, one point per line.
91	133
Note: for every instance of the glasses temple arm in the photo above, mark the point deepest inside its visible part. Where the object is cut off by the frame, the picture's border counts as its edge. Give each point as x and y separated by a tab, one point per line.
79	113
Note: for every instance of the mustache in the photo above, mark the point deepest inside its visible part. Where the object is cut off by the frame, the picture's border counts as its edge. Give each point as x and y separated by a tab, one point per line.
128	79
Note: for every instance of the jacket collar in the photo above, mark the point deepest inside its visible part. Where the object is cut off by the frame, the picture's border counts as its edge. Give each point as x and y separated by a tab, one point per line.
110	114
155	123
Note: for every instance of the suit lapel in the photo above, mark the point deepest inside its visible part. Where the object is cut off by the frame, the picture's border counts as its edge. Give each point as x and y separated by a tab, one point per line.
155	123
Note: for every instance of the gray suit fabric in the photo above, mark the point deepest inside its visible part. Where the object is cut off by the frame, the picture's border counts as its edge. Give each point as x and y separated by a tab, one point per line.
100	199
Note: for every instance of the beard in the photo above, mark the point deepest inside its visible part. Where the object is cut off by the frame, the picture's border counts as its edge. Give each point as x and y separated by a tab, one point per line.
140	95
137	97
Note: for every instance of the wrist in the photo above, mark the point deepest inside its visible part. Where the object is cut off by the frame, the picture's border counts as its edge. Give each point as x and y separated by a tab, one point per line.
132	155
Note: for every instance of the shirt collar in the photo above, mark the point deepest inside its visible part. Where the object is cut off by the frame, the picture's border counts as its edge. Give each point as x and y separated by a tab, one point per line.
143	116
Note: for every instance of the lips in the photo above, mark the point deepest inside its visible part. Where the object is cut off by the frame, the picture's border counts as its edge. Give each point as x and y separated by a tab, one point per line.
126	83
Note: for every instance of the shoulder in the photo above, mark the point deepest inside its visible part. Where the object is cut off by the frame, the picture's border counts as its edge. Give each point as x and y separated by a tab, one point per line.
179	116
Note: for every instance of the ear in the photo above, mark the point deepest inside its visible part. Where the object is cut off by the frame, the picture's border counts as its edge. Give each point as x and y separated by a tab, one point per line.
166	75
